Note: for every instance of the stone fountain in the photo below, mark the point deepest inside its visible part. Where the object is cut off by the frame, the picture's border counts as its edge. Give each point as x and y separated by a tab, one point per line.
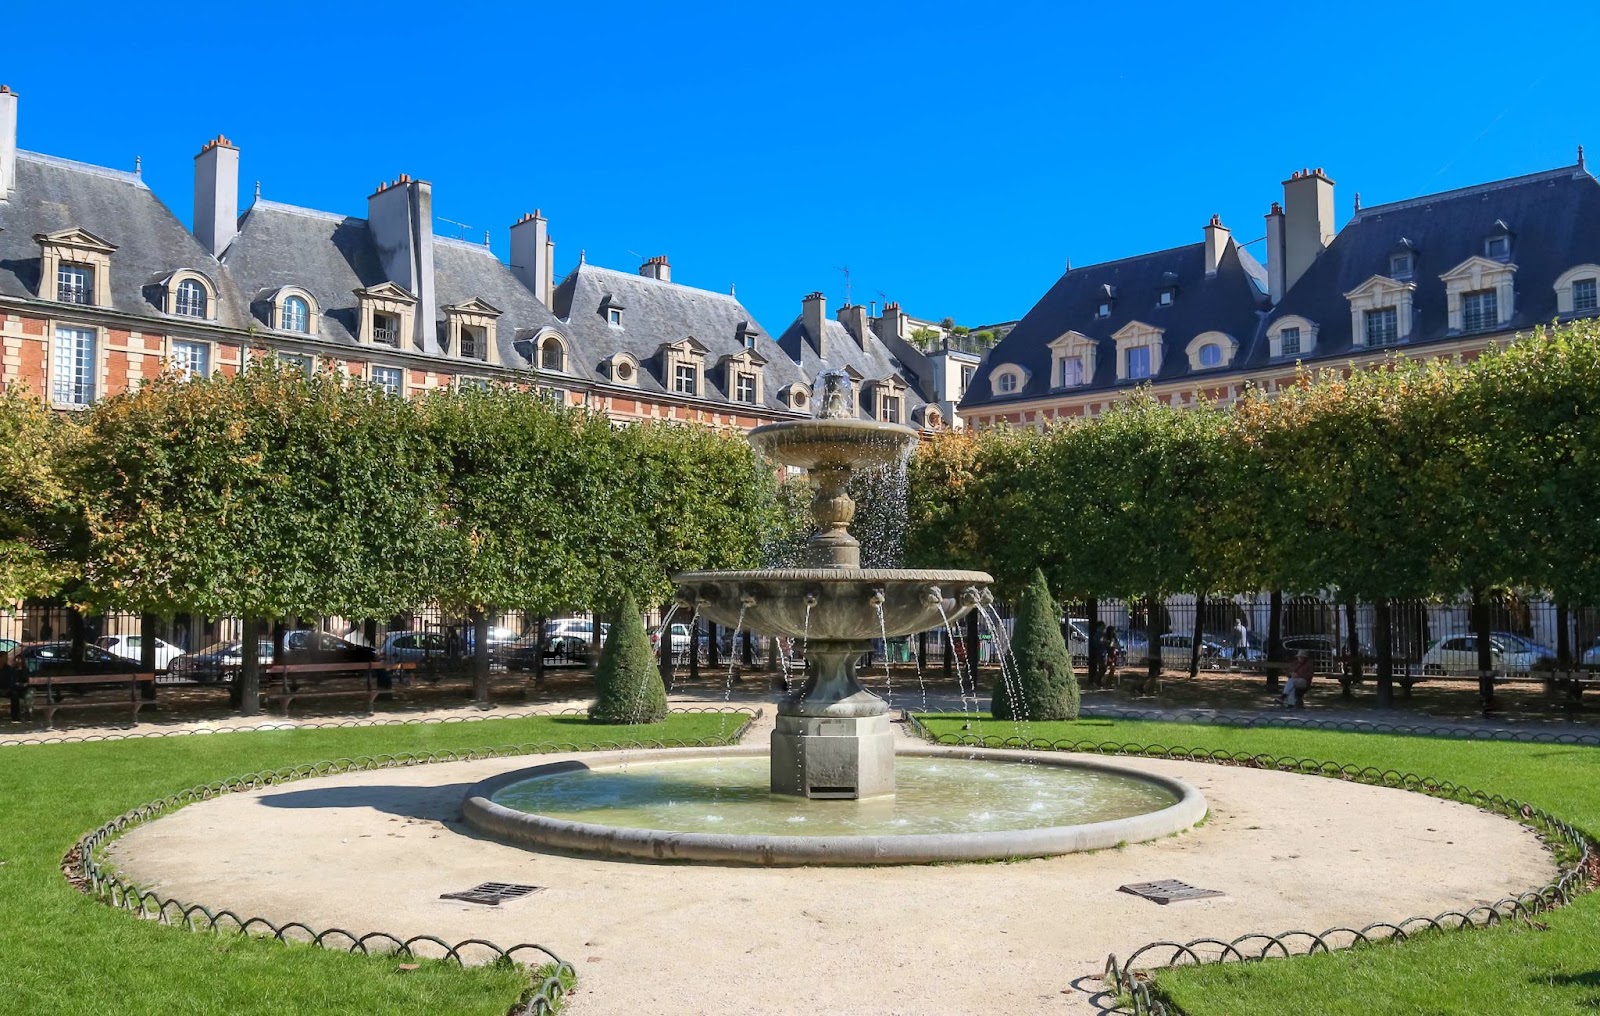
833	738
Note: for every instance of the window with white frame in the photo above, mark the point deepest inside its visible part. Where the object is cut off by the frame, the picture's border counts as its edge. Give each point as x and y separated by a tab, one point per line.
614	316
1382	327
967	373
1289	341
1480	310
1069	371
1164	299
1104	310
889	407
390	379
1007	383
1585	296
386	330
1210	355
191	359
303	362
744	388
686	379
74	283
73	367
1137	363
552	356
191	299
1497	248
473	346
296	315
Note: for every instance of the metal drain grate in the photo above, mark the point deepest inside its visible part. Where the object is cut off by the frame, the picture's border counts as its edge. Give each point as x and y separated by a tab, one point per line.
492	894
1167	890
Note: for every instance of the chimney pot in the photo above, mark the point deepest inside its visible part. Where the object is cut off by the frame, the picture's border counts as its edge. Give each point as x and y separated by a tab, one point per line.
532	254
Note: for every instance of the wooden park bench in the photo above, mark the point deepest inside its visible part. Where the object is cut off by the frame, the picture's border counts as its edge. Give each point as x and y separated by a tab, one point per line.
128	689
281	682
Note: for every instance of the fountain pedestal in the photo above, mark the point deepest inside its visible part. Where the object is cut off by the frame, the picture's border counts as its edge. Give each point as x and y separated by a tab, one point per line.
833	738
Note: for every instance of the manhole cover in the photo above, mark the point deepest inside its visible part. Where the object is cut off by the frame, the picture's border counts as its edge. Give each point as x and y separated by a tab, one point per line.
1167	890
492	893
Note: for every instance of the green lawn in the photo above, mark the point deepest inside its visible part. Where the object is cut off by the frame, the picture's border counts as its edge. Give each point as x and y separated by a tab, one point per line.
1507	971
66	953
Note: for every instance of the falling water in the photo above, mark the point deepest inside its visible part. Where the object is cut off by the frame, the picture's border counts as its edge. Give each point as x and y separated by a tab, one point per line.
966	707
805	642
785	647
733	666
636	714
922	685
881	514
888	676
990	619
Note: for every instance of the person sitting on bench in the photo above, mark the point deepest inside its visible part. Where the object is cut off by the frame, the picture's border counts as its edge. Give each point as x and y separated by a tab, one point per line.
1299	680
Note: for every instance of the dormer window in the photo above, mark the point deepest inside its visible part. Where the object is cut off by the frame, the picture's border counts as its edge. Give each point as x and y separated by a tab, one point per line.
1480	310
744	388
682	364
1400	266
1007	379
1290	339
1211	355
889	408
296	315
1381	326
1585	297
191	300
470	330
686	379
621	367
1138	351
551	354
1007	383
74	283
1165	298
1104	310
614	316
473	346
1497	248
386	330
1069	371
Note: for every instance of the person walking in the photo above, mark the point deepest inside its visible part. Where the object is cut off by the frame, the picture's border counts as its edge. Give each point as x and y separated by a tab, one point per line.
1241	643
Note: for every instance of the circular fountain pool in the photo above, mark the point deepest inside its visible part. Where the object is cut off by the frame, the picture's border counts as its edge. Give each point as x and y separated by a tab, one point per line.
717	806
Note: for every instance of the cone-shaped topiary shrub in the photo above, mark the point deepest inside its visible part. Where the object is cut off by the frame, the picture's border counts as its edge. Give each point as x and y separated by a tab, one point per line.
627	683
1048	689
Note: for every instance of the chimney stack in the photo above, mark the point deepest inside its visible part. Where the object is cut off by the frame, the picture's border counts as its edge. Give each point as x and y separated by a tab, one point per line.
8	142
814	318
657	268
854	319
533	255
400	218
1217	237
216	195
1275	286
892	323
1307	221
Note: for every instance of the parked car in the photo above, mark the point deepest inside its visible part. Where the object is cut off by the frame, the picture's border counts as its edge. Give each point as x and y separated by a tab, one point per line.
1212	651
500	641
411	646
562	646
43	659
131	647
216	662
6	645
680	640
1458	654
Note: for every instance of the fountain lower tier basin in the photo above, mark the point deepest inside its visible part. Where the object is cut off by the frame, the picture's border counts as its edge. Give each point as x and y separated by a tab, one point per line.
834	603
716	806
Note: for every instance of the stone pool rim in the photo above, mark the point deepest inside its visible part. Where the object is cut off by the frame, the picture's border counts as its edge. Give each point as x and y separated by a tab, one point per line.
542	832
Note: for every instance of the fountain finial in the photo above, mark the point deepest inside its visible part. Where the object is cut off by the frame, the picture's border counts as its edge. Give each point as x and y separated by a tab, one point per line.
836	402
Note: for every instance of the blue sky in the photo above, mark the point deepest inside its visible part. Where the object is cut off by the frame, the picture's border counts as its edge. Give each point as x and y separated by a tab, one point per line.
953	156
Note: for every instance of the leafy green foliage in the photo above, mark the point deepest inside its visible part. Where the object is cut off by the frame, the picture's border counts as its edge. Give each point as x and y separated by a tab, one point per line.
41	518
627	683
1045	687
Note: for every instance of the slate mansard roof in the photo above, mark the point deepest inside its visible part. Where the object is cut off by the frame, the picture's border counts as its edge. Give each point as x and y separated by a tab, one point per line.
1554	219
656	312
54	194
873	362
330	256
1232	301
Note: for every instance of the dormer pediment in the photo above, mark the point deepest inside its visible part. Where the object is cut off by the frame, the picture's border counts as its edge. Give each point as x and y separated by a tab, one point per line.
386	291
1068	341
1476	267
481	308
76	238
1380	285
747	356
688	344
1136	330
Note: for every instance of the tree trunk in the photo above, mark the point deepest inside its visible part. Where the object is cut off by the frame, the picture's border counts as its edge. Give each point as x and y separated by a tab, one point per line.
1381	616
480	657
664	648
369	630
972	646
1354	668
1096	668
147	653
774	647
713	658
1485	643
1563	639
246	691
949	652
76	634
748	647
1274	639
1152	659
694	649
922	648
541	646
1199	628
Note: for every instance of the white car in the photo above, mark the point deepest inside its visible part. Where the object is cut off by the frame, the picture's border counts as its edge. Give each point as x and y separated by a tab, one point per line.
1458	655
131	647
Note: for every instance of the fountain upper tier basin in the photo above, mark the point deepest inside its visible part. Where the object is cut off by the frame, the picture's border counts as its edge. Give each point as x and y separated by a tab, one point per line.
834	603
813	444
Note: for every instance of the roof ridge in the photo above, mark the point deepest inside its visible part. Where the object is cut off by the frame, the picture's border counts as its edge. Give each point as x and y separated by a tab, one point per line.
660	282
1563	172
1134	257
473	245
312	213
84	167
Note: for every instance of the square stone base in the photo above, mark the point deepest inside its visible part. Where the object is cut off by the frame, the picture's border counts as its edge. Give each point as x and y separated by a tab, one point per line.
833	757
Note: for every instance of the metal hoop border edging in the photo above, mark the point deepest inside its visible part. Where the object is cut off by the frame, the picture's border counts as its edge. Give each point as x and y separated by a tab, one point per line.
85	868
1348	726
1127	978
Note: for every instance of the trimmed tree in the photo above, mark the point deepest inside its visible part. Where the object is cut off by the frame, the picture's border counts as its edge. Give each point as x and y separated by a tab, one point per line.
627	685
1043	675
